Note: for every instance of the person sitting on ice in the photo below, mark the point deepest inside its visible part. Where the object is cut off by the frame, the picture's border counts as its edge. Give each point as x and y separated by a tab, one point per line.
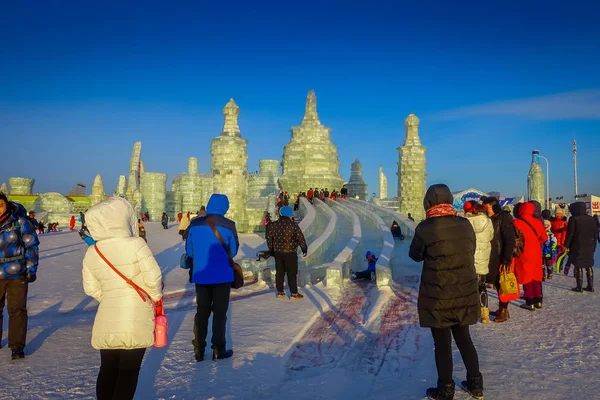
368	273
396	231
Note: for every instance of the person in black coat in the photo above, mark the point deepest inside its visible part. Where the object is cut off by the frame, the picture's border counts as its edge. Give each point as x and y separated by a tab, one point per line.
582	236
503	245
448	294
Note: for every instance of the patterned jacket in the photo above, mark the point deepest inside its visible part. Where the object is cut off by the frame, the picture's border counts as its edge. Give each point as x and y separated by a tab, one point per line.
18	244
284	236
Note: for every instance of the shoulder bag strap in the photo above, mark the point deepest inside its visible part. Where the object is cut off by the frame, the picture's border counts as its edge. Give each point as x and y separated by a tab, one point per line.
218	235
135	287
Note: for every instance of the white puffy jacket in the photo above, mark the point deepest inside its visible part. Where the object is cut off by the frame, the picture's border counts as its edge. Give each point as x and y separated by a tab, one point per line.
484	233
123	320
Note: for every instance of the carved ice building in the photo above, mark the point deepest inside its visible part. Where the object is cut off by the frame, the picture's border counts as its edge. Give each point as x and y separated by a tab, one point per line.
229	166
535	180
191	191
356	185
412	175
310	159
265	182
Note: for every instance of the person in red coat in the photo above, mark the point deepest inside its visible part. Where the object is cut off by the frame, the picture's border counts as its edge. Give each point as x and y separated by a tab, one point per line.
72	223
559	227
179	217
528	266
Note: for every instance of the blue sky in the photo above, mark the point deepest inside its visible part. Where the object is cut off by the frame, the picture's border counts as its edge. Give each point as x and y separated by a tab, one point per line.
490	82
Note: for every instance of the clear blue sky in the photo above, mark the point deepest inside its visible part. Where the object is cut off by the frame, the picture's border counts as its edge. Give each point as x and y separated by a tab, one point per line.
490	81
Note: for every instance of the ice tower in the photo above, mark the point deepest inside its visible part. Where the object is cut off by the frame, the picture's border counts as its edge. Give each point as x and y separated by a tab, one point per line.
535	180
356	185
383	184
97	195
310	158
412	175
229	166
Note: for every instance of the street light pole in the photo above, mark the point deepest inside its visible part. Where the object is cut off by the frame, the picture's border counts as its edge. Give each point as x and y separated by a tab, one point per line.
547	182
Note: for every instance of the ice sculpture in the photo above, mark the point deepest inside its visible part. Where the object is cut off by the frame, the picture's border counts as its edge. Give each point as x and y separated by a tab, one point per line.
383	184
153	190
229	166
310	159
121	186
133	193
97	191
21	185
412	175
535	180
4	188
356	185
265	182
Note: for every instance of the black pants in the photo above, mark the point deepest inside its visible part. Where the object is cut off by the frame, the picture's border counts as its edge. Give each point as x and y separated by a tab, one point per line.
215	299
442	338
16	291
286	263
118	376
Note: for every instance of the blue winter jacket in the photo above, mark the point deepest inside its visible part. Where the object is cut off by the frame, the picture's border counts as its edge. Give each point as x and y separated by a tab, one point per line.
372	263
18	244
211	263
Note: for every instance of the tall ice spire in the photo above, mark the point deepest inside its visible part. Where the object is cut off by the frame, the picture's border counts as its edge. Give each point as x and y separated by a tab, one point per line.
412	175
231	111
310	111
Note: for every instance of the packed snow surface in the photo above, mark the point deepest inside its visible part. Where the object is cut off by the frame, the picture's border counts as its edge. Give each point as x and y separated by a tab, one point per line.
359	342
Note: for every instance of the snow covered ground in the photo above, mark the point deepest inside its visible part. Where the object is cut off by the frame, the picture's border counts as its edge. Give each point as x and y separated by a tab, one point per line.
357	343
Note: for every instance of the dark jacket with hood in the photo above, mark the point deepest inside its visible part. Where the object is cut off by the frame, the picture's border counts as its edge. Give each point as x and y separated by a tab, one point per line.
18	243
503	243
284	236
582	236
211	262
448	294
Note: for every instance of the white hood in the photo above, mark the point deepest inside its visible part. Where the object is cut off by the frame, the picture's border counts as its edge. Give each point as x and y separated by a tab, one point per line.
112	218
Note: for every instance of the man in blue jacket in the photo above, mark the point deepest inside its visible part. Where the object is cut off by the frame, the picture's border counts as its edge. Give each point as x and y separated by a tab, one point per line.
18	267
212	274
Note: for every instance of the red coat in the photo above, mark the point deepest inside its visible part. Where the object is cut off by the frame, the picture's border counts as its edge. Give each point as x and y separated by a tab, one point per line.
559	228
72	221
310	194
528	267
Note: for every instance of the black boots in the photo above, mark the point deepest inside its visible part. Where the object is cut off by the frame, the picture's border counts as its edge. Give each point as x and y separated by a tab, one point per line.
221	353
589	272
578	279
474	386
17	355
441	392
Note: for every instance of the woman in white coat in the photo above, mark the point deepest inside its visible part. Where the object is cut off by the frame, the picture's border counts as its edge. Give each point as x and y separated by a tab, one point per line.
124	324
484	233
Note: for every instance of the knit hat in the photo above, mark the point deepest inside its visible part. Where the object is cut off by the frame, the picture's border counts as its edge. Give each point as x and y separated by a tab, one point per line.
286	212
468	207
559	210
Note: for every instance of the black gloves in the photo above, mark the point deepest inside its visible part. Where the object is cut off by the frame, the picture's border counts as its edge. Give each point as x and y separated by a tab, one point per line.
31	277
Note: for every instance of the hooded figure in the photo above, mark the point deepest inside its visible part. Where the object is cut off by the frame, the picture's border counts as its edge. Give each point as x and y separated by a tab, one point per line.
559	226
528	264
448	295
124	323
581	240
212	273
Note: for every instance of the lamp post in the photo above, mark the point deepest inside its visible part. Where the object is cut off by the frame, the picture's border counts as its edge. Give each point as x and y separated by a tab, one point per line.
547	182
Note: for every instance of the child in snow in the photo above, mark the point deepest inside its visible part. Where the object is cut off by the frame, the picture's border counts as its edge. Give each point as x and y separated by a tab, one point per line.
165	221
368	273
549	250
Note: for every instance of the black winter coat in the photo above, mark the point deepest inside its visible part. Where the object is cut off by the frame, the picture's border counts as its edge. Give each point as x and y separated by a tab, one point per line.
503	245
284	236
582	236
448	294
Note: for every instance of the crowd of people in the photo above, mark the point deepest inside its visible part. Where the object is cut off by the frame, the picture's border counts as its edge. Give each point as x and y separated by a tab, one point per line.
464	257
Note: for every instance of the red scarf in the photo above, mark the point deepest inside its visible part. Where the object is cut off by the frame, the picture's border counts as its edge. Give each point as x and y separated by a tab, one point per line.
441	210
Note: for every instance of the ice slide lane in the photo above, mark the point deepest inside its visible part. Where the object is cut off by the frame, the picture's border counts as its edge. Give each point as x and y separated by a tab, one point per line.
371	331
